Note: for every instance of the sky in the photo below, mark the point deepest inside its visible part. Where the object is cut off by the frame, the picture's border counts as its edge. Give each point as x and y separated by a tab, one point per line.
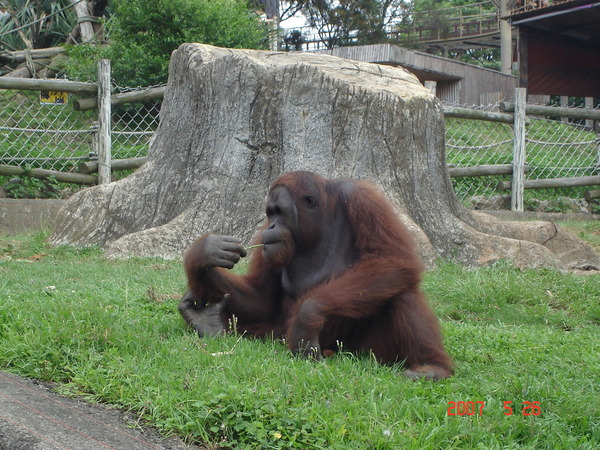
294	22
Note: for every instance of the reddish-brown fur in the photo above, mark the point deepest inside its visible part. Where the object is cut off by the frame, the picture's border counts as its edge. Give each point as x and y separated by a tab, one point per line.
375	304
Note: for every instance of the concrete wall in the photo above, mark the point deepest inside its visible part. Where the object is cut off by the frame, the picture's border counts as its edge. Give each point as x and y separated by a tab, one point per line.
19	216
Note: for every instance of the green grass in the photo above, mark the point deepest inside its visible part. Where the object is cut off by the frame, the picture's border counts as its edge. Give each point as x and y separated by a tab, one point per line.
110	331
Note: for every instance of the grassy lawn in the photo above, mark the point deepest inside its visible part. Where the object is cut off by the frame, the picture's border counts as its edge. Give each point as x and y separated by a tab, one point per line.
110	332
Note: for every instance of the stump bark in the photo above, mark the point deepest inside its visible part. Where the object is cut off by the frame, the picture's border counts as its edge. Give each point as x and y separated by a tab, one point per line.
233	120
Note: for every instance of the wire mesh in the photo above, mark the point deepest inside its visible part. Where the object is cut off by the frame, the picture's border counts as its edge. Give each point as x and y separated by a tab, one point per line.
555	148
55	136
472	143
133	125
39	135
561	149
34	134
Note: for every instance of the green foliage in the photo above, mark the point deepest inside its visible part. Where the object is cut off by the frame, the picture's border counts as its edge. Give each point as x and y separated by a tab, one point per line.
110	331
436	17
23	186
82	63
143	33
487	58
439	19
294	41
53	29
350	22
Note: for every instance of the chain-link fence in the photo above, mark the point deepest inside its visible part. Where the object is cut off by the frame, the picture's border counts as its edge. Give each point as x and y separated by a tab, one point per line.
35	134
561	149
555	148
133	124
472	143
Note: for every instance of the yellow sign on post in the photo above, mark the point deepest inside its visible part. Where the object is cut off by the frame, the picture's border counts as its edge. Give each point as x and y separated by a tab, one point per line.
54	97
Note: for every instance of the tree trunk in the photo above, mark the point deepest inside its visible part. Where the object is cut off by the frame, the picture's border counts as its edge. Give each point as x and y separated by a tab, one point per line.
83	12
233	120
19	56
23	71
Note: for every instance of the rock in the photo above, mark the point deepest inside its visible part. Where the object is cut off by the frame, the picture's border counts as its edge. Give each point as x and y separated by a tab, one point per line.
495	203
233	120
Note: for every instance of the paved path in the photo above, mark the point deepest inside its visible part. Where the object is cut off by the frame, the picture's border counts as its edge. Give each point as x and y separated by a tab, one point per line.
34	418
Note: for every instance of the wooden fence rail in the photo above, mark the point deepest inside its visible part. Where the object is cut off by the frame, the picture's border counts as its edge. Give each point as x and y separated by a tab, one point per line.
482	171
474	114
551	183
105	164
554	111
119	99
116	164
34	84
65	177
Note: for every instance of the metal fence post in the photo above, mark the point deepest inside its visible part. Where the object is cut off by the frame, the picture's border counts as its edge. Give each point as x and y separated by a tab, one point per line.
104	122
518	175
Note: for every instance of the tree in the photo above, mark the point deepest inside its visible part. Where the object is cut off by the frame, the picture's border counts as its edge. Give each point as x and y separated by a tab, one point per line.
234	120
143	33
294	41
289	9
438	16
341	22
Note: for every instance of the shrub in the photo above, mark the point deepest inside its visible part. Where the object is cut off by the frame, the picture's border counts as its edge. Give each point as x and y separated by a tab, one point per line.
144	33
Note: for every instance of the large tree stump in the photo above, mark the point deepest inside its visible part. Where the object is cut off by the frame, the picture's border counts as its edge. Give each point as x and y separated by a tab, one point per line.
233	120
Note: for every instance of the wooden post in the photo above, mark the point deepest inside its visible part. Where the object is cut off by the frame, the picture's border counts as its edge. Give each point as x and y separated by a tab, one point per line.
505	40
83	19
518	182
104	125
589	104
564	103
431	86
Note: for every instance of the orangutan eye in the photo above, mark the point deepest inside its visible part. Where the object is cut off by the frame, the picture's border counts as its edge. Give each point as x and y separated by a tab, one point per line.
310	201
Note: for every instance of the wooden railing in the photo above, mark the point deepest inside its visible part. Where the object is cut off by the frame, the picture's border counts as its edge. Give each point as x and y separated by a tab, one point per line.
522	6
458	22
467	21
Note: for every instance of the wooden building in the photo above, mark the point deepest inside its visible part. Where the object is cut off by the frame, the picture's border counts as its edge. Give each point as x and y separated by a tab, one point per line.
559	46
454	82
